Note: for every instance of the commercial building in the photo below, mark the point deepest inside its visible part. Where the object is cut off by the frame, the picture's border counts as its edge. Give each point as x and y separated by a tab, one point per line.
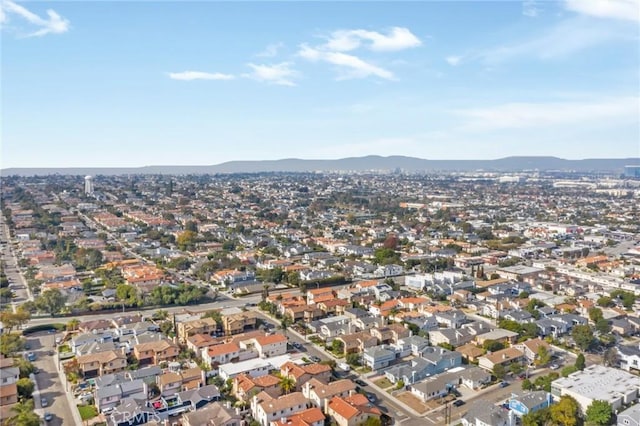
617	387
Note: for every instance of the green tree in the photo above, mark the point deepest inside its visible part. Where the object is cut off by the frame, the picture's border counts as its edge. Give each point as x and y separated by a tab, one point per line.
515	368
595	314
566	412
492	345
15	319
583	336
51	301
527	385
536	418
10	344
186	240
371	421
126	293
25	367
23	414
499	371
580	362
337	347
603	326
25	388
599	413
73	324
569	369
544	356
605	301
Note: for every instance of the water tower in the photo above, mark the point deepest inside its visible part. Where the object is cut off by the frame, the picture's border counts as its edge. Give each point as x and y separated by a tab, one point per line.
88	185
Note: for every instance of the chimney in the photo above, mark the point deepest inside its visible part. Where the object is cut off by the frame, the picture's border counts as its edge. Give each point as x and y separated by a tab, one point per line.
283	420
504	356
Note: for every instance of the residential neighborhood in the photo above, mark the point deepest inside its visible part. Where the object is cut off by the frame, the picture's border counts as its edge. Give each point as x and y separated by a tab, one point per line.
320	299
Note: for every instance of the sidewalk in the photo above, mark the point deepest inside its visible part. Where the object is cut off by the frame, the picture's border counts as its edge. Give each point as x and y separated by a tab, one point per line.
67	392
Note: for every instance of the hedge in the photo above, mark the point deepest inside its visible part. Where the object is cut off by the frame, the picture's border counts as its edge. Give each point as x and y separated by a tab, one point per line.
44	327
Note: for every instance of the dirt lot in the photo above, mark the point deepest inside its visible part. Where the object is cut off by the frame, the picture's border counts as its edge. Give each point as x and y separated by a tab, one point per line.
412	401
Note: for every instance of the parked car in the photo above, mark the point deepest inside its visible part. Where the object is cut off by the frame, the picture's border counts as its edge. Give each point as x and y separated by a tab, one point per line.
314	358
31	356
458	402
504	384
553	366
371	397
360	382
48	416
44	402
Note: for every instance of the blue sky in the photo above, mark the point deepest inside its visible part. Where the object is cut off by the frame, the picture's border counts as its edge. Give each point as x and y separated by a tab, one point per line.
151	83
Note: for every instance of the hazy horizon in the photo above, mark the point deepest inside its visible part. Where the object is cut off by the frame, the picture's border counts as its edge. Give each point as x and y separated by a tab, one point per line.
134	84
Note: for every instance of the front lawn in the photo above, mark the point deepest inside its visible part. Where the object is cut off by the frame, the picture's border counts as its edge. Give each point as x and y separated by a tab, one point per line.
383	383
87	411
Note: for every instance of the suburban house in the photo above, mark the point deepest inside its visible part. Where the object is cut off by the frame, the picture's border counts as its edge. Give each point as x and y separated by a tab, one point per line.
319	393
266	409
245	387
504	357
629	357
531	348
474	377
215	414
221	354
110	395
630	416
434	360
481	414
303	373
435	387
352	410
267	345
310	417
239	322
9	376
156	352
196	326
529	402
101	363
357	342
378	357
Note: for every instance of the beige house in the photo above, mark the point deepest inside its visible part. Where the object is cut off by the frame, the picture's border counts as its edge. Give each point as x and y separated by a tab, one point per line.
101	363
156	352
504	357
266	409
197	326
238	323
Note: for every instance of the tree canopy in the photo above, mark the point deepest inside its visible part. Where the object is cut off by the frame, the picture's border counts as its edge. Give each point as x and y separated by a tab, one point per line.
599	413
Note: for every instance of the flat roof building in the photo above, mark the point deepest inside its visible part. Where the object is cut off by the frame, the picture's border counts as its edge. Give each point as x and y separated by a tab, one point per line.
617	387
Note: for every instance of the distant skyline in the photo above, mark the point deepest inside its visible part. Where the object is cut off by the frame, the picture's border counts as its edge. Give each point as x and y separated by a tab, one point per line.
126	84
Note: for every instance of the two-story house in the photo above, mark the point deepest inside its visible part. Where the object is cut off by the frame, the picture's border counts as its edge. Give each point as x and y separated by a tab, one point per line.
319	394
266	409
9	375
156	352
303	373
101	363
352	410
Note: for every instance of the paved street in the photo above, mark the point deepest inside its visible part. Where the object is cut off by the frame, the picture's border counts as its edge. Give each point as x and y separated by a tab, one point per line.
48	381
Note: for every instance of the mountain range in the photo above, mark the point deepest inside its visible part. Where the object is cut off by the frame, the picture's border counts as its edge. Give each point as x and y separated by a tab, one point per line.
354	164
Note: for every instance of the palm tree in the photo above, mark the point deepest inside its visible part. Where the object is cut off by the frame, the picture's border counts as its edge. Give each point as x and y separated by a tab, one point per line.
24	415
287	384
72	325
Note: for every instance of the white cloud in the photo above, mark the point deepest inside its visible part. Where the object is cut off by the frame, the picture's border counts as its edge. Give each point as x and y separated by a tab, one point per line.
55	24
453	60
615	9
530	8
398	38
280	74
526	115
199	75
350	66
271	50
563	39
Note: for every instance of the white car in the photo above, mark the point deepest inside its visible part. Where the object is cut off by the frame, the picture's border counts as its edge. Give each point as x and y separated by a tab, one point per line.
554	366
